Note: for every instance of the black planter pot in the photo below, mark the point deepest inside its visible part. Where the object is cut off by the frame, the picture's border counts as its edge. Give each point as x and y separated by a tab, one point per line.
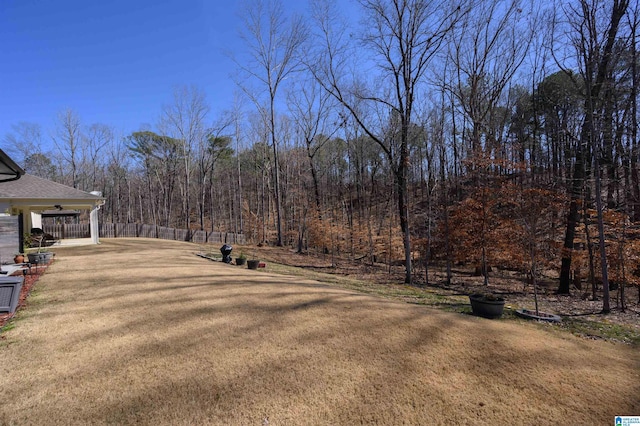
240	261
253	264
485	307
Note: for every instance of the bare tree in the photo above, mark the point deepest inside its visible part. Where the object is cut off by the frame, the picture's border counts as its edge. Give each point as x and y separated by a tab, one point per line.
119	183
486	50
25	139
184	119
24	143
274	41
210	150
158	157
236	117
403	36
95	140
67	140
311	107
591	31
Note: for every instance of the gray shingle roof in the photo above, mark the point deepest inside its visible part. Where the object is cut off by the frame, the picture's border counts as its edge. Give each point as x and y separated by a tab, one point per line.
33	187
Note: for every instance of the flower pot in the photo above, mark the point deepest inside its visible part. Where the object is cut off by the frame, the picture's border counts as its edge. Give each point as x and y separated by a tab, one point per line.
253	264
486	307
46	257
240	261
40	258
19	258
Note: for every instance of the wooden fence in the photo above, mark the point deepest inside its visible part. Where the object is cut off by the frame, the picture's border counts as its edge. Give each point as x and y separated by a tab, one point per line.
137	230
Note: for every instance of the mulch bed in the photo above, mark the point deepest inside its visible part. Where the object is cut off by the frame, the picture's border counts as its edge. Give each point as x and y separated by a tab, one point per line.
30	280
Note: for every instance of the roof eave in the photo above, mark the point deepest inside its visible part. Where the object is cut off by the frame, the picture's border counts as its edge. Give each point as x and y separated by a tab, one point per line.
52	202
9	170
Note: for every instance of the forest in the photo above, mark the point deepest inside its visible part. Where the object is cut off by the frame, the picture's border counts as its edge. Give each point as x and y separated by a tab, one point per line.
491	133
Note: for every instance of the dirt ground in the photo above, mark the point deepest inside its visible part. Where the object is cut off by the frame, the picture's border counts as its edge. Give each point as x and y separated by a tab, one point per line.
143	331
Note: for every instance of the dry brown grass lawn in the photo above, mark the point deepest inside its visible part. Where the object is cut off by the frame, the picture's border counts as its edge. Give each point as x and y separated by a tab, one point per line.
143	331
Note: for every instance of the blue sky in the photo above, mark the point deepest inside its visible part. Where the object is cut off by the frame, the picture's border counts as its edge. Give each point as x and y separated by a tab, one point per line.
114	62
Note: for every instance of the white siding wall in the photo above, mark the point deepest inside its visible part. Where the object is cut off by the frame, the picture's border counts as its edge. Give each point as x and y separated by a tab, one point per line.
9	238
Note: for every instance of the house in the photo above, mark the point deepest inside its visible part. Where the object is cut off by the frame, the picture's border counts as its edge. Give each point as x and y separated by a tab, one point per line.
29	196
9	171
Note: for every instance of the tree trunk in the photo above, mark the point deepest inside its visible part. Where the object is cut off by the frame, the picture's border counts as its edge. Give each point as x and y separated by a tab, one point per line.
603	254
572	220
592	274
596	73
403	208
276	172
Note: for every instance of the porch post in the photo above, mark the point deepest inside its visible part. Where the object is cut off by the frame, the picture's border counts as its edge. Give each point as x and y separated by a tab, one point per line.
93	225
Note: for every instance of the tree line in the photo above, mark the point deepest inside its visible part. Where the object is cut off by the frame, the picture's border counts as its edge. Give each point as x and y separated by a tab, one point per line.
493	132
